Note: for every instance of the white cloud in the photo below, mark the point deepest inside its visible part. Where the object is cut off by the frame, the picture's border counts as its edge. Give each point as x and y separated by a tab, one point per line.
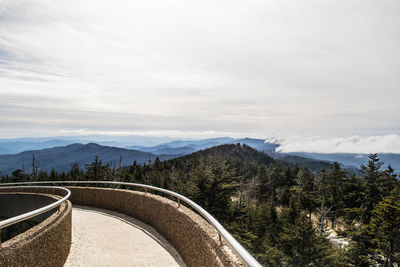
324	67
352	144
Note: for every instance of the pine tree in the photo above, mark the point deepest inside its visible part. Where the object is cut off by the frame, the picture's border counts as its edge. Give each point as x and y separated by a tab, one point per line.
373	194
335	182
385	226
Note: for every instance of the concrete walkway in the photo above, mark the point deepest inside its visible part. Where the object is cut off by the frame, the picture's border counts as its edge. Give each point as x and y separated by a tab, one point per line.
106	238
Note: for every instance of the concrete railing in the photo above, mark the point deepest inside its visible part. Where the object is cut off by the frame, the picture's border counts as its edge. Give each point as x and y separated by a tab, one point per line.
200	240
45	244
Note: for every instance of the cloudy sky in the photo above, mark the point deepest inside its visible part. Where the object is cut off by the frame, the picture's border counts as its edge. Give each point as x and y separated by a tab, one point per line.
259	68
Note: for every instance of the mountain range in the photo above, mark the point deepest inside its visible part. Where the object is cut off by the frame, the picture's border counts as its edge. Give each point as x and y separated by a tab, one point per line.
60	153
60	158
350	161
17	145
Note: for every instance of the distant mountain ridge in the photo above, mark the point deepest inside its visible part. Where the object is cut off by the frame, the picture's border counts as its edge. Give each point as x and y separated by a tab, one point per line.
60	158
167	148
17	145
353	159
187	147
350	161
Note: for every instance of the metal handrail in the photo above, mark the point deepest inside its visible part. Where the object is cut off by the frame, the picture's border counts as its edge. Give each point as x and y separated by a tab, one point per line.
31	214
233	243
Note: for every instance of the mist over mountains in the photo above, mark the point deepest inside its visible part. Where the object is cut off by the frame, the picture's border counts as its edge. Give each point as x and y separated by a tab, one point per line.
59	153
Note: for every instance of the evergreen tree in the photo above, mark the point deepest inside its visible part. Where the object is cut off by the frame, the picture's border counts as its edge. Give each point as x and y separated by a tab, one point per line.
96	171
373	194
336	177
299	241
385	226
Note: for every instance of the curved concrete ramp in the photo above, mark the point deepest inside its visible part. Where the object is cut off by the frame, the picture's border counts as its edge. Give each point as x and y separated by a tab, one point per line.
107	238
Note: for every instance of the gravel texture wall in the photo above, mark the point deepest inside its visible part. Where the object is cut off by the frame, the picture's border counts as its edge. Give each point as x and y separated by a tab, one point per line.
196	241
46	244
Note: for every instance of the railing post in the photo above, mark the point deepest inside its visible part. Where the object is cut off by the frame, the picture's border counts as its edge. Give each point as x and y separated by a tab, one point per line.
0	238
179	202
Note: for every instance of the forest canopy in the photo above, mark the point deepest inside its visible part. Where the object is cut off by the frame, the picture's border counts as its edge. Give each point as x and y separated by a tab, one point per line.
285	215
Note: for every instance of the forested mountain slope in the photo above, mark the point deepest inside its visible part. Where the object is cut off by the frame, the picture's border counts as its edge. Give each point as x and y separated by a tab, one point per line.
267	205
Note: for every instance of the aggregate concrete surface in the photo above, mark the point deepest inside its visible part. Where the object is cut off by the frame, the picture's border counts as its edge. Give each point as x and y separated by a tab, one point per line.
107	238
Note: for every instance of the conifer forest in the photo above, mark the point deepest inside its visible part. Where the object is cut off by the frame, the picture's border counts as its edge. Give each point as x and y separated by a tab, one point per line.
285	215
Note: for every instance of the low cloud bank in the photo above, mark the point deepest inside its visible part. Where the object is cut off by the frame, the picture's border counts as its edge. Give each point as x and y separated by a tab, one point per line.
352	144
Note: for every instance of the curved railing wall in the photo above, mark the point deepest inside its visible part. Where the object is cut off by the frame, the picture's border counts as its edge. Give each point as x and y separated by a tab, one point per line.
36	212
14	204
198	242
49	242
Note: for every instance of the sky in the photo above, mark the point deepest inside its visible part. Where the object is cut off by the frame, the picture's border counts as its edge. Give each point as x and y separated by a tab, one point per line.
299	70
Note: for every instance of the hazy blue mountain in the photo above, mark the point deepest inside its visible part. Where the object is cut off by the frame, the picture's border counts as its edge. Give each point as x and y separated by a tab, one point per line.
165	149
60	158
156	145
184	147
125	140
172	147
201	144
17	145
354	160
190	146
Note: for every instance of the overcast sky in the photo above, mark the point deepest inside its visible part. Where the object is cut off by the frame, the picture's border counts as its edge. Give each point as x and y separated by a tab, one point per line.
266	68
